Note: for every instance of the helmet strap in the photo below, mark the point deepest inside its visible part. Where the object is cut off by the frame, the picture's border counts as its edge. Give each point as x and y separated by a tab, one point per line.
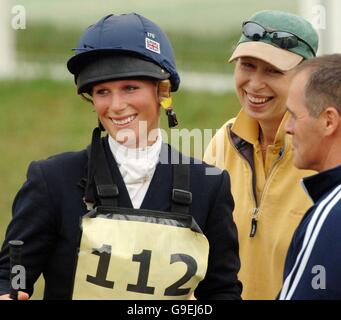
100	125
172	120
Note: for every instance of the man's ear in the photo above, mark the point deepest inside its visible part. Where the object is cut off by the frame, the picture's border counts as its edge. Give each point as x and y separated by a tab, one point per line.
332	120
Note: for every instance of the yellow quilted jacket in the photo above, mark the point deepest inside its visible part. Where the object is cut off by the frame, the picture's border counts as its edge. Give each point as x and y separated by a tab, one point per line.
269	200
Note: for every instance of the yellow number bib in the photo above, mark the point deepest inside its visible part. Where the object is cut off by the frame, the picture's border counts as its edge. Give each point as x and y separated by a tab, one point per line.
139	254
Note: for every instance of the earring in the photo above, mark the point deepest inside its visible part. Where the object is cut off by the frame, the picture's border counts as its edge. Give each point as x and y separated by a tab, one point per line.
167	104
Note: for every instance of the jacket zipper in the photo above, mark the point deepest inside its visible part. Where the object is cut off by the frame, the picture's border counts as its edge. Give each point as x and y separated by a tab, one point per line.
256	208
254	222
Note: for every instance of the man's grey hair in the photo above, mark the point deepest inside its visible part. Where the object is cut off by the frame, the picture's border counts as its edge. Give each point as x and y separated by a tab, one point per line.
323	88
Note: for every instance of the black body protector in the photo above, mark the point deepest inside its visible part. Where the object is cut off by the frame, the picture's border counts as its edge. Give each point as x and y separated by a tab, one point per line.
128	253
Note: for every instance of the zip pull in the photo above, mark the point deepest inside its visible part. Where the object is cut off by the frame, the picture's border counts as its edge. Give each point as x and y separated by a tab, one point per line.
254	223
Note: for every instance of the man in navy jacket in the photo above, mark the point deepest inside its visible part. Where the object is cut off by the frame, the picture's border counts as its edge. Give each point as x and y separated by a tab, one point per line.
313	264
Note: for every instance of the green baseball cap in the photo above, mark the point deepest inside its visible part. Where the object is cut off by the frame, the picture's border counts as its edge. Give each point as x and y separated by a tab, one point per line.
280	38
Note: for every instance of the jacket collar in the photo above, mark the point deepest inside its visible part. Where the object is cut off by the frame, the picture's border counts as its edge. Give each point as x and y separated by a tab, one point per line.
247	128
321	183
160	188
158	196
159	191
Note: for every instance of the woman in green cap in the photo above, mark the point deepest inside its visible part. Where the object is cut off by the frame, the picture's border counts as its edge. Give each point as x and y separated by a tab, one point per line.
253	147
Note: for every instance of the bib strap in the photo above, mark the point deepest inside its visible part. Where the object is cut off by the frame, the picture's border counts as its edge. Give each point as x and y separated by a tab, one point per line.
101	181
181	196
99	174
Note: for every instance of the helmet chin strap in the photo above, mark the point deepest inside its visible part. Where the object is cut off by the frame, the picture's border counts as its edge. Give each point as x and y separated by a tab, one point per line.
172	120
100	126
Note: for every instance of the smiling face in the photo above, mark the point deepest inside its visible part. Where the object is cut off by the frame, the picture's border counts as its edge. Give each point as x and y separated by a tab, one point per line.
128	109
262	89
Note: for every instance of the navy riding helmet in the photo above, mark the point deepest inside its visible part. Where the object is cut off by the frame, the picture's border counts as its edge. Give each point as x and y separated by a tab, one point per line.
122	46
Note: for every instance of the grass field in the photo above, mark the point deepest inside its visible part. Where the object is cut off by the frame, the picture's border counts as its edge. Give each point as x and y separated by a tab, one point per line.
206	18
193	52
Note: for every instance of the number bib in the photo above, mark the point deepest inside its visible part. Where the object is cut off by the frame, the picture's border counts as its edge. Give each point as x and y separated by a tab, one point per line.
139	254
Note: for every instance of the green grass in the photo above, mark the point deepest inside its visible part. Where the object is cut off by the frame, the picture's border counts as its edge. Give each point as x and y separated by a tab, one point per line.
193	16
209	53
46	43
193	52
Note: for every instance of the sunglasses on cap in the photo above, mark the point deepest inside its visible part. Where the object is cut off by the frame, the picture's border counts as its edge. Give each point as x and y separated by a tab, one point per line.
284	40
